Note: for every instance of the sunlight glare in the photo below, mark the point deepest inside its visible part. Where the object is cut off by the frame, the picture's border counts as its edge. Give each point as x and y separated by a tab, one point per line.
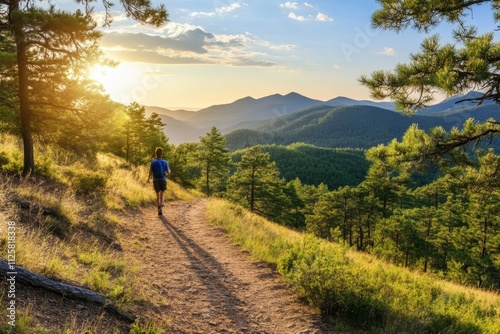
118	82
107	76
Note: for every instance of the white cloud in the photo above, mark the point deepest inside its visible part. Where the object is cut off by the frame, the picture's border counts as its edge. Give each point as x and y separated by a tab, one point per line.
307	4
190	44
388	52
219	11
323	18
290	5
228	9
174	29
295	17
285	47
198	14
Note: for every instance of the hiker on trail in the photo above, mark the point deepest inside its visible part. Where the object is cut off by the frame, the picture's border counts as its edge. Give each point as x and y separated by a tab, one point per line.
159	169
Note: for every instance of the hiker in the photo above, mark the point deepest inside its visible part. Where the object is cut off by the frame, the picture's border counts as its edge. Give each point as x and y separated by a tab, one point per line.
159	169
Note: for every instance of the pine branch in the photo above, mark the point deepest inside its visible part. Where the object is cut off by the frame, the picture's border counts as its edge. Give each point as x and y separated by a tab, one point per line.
48	104
448	145
52	49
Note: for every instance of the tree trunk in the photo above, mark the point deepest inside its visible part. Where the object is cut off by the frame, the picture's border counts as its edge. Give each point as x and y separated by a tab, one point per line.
344	232
27	277
252	191
208	180
407	256
484	239
427	235
24	107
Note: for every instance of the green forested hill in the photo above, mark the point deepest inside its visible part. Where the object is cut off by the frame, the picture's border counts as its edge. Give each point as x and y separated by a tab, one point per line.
351	126
314	165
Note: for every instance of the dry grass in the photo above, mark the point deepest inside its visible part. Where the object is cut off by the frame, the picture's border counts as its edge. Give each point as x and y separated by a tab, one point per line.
68	220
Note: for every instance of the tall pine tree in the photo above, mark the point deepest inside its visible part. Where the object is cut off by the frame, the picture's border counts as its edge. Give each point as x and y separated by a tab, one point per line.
257	185
52	45
214	162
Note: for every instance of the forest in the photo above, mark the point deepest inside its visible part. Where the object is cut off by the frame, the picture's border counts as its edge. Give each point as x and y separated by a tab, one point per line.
428	200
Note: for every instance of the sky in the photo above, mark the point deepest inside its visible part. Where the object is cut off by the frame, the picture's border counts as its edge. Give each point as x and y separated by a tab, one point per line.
217	51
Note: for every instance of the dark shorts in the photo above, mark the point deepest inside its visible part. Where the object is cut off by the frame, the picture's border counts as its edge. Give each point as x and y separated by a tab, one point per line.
160	185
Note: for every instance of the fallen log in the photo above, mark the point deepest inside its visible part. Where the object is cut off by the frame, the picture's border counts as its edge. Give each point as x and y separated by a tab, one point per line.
67	290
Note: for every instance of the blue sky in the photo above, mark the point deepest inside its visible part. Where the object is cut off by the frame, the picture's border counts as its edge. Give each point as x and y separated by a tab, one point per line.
214	52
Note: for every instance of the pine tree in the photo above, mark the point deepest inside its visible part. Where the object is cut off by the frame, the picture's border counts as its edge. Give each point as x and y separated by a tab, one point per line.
484	220
471	63
143	134
468	64
324	218
214	161
53	46
184	164
257	185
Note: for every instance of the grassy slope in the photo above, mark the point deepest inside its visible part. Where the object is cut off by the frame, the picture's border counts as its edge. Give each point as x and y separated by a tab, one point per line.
356	288
68	220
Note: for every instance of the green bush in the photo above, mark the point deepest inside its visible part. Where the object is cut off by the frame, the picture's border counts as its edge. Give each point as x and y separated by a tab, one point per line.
89	181
4	159
11	161
326	277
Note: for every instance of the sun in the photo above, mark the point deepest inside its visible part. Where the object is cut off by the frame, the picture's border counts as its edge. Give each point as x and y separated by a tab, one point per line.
117	81
103	75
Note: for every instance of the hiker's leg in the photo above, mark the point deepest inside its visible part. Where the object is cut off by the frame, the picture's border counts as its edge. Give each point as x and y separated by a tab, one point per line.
160	198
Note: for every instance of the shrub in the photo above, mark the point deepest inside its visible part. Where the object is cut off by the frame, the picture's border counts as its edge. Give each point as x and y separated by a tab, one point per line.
83	180
145	328
88	181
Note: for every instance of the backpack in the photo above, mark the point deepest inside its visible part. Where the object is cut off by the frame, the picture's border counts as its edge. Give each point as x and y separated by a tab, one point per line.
157	169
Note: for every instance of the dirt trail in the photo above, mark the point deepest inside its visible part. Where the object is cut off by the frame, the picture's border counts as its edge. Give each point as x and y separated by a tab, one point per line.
204	283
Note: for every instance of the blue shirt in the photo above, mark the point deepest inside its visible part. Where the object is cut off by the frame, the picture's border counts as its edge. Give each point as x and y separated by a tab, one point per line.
158	168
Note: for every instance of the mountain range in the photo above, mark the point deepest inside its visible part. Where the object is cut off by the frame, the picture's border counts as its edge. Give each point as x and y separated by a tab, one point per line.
339	122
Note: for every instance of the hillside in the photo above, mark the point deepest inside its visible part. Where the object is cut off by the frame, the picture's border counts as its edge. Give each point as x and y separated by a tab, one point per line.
92	225
352	126
185	277
314	165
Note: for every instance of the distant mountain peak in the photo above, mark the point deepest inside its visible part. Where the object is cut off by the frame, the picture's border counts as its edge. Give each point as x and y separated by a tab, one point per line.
245	99
294	94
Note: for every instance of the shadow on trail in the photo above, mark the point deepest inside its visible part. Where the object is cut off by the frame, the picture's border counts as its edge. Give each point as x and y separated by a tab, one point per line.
212	275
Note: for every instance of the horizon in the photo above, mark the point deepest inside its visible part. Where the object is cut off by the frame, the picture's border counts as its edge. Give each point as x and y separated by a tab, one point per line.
194	109
257	98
